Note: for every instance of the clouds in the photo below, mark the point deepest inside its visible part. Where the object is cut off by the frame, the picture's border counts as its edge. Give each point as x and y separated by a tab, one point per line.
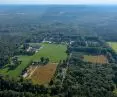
58	1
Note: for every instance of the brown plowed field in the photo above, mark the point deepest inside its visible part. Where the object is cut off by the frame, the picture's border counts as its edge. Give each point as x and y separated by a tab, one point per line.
96	59
43	74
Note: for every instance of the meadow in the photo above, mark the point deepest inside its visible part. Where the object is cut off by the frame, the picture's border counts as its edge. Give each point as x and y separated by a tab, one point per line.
55	53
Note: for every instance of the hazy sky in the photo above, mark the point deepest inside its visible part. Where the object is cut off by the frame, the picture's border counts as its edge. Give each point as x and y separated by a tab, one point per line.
58	1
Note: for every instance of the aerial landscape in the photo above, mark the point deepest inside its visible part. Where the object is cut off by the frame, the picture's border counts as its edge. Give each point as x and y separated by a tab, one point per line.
58	50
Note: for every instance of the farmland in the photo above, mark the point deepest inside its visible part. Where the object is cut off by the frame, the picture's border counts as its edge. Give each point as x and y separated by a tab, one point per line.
113	45
96	59
43	74
55	52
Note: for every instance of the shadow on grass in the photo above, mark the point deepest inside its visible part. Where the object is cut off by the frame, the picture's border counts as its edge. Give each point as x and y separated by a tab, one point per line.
9	67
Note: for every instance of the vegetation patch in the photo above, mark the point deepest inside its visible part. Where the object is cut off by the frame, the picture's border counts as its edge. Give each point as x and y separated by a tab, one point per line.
113	45
34	44
96	59
115	92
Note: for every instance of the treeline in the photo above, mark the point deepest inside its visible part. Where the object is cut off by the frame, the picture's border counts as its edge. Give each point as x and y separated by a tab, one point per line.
16	88
91	50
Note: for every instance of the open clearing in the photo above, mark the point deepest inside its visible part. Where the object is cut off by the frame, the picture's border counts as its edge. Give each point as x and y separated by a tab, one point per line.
113	45
95	59
43	74
55	52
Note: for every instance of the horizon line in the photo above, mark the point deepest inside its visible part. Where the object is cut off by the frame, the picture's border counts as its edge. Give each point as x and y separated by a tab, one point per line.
52	4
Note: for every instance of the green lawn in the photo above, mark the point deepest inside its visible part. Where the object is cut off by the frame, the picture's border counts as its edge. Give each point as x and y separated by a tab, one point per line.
113	45
54	52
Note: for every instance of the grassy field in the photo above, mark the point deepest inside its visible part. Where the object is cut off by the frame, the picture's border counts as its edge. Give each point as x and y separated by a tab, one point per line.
96	59
43	74
54	52
113	45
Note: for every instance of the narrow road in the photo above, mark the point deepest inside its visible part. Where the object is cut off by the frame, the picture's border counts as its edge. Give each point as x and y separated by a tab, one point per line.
64	71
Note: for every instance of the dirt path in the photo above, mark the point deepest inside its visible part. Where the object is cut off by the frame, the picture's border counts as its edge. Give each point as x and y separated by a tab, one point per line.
32	72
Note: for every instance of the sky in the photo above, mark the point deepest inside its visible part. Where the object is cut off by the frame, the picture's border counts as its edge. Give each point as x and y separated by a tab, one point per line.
58	1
